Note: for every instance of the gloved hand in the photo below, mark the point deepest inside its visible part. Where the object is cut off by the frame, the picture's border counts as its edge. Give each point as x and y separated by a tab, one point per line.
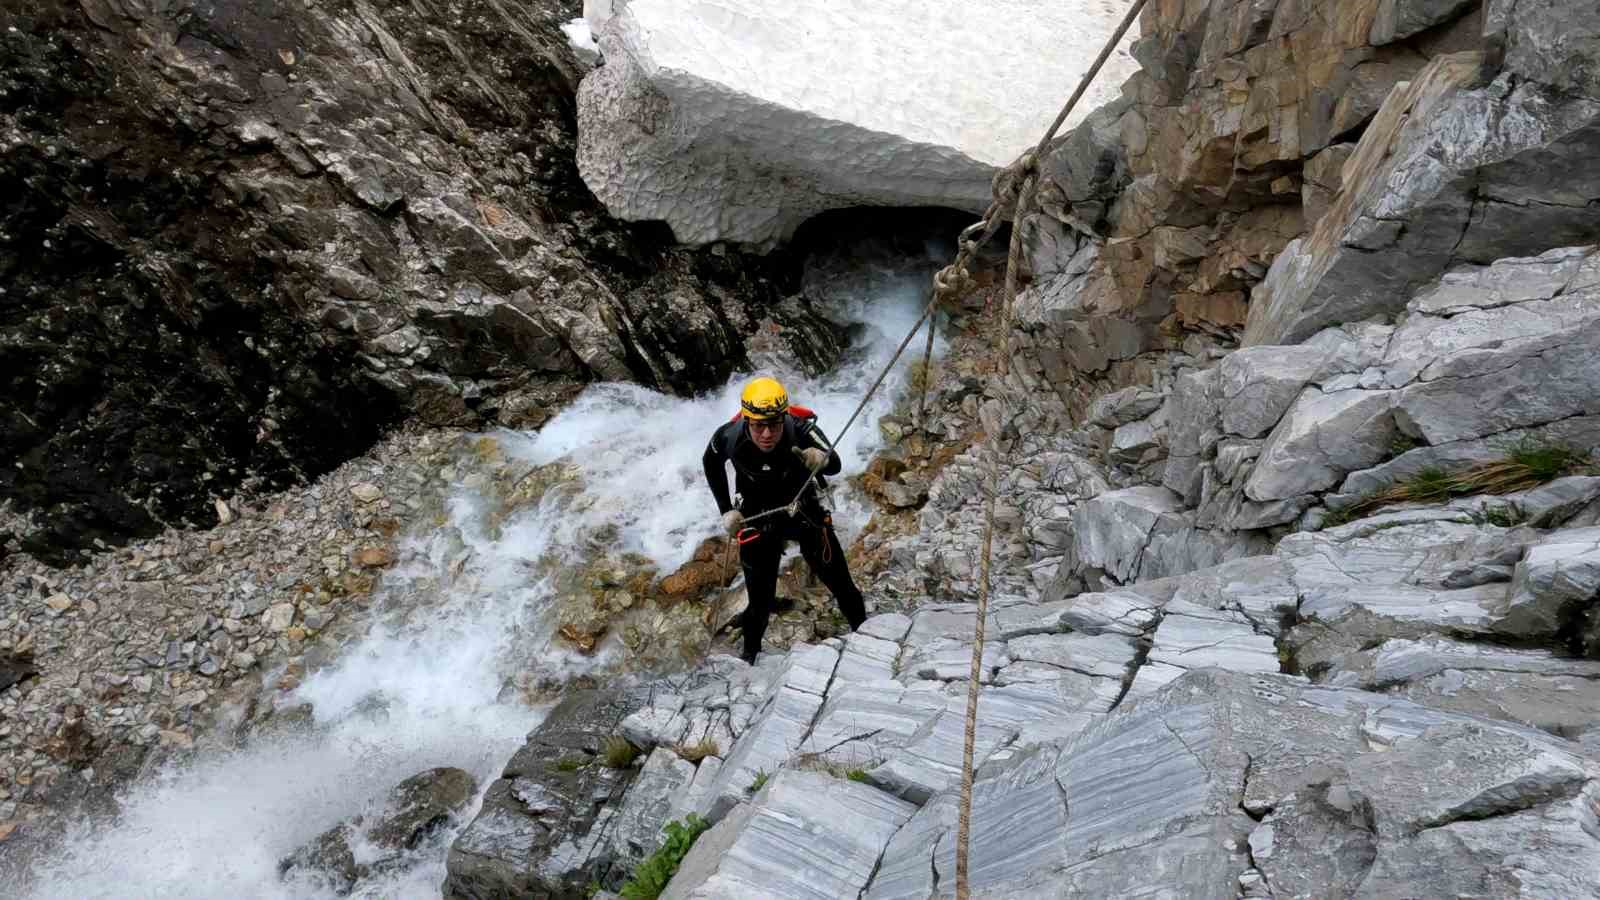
732	521
814	457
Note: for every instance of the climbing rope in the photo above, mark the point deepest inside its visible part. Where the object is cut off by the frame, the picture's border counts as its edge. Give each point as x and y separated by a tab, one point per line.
1014	189
1026	168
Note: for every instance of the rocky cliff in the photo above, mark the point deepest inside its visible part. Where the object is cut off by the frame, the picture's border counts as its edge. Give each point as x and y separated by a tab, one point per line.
240	240
1297	579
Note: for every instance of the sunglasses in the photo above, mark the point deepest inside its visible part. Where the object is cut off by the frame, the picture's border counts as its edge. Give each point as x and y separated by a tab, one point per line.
759	425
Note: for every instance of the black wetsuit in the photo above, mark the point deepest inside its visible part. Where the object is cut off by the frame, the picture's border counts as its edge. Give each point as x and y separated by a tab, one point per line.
767	481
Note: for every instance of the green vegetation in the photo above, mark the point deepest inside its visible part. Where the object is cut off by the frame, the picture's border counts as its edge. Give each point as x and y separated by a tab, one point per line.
569	764
650	879
759	782
618	752
857	775
1526	465
1504	516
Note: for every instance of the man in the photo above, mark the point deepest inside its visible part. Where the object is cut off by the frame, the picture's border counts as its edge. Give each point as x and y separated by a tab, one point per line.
773	448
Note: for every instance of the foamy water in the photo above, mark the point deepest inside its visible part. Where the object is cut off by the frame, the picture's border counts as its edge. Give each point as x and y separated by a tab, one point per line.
430	689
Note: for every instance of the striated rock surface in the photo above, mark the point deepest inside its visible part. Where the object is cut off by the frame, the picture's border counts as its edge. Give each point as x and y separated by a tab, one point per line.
771	847
740	119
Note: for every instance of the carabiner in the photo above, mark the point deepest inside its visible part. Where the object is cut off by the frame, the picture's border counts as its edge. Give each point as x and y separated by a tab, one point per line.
746	535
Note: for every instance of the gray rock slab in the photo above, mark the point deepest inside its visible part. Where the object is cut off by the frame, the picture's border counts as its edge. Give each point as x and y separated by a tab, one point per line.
1440	146
907	871
1577	431
807	835
887	626
1106	655
1517	382
1322	438
1115	612
1192	637
1259	384
1259	589
778	730
1017	619
1112	530
949	660
1150	801
862	724
691	796
1555	574
866	658
930	760
1531	687
636	832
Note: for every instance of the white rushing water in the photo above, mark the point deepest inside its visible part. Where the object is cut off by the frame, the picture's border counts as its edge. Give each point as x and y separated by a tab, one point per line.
428	688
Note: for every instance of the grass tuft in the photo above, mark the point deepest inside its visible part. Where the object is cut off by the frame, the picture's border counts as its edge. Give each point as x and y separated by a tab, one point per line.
698	750
569	763
759	782
618	752
1526	465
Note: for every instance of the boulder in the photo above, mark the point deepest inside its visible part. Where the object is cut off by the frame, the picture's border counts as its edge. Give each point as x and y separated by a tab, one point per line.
415	810
739	121
1142	533
1324	436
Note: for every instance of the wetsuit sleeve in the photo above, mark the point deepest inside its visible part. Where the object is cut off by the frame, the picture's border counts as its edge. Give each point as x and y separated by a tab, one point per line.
812	436
717	473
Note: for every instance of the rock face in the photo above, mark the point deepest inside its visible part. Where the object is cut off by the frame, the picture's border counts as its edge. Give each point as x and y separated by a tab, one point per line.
1259	780
739	120
544	824
1481	361
331	218
1448	172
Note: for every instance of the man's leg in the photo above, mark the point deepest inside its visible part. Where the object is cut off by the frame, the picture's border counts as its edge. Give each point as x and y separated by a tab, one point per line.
820	546
760	560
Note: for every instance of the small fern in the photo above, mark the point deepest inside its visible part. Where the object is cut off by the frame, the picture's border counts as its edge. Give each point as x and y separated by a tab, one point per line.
652	876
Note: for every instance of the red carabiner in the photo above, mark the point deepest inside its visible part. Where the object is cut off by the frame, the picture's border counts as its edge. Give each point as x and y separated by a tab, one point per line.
746	535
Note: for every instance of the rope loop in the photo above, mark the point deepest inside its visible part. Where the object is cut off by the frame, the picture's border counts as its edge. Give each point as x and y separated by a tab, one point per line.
952	280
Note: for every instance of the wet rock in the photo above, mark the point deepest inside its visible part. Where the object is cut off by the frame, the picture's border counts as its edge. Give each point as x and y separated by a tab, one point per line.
543	823
414	810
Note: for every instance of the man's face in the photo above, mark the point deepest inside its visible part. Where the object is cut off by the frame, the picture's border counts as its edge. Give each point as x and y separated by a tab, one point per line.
765	433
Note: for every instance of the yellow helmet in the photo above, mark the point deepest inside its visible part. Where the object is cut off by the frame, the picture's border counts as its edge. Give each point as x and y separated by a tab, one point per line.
764	398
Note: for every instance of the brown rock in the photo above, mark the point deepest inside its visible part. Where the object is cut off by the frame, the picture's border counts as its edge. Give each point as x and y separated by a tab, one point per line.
1225	310
373	557
585	641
